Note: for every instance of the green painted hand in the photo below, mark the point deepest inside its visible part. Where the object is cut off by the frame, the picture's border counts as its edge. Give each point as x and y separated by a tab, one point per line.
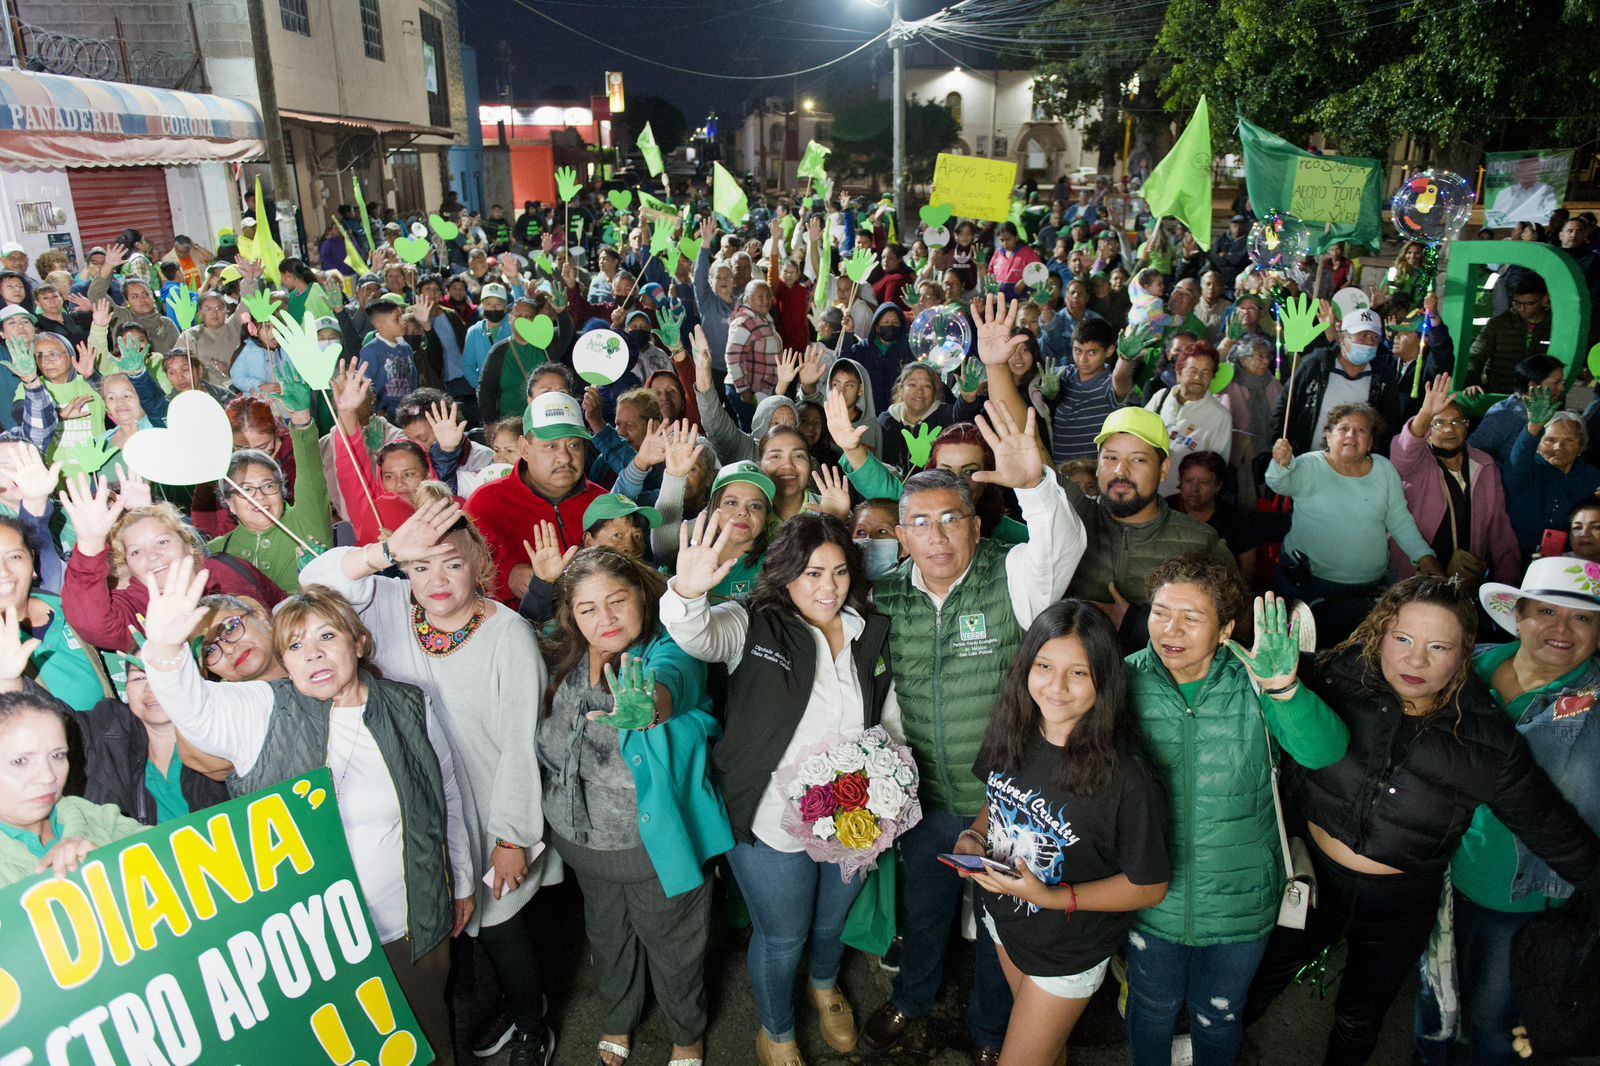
86	458
671	329
1300	325
1049	381
296	394
1275	659
131	353
635	696
260	306
1541	405
1041	296
1236	328
919	448
973	375
567	184
1136	340
558	296
860	265
990	286
22	362
373	435
183	305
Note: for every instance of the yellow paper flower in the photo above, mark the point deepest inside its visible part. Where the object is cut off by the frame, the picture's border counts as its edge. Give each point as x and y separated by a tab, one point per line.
856	829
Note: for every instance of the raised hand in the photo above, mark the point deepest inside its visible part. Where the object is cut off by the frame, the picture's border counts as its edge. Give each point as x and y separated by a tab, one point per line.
810	372
670	329
418	537
845	433
22	362
1133	343
1274	662
833	492
448	429
683	448
92	513
116	255
919	448
653	449
545	553
1017	462
84	361
788	370
997	322
102	313
594	409
172	615
133	491
35	481
14	651
1542	404
1283	453
1300	321
699	551
704	380
131	354
292	388
351	387
1049	381
973	375
708	232
634	695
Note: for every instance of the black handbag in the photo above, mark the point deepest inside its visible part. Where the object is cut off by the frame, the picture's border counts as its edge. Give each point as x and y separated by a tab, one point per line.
1555	977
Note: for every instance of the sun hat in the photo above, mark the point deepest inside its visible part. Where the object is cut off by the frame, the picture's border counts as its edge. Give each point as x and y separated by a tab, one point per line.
1562	580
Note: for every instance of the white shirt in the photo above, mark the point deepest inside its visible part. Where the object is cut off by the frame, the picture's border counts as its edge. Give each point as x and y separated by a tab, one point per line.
230	722
1203	425
836	706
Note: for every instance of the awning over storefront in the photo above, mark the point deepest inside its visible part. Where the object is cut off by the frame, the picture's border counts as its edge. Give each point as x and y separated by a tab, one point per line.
374	124
48	120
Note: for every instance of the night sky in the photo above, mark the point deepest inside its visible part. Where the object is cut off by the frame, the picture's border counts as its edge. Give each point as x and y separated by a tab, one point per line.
745	37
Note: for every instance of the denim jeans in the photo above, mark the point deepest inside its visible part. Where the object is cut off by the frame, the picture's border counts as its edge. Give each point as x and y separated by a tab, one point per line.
1212	980
792	898
932	902
1483	963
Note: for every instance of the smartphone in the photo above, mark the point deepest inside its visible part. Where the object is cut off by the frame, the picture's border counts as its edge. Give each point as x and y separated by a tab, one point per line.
1553	543
976	864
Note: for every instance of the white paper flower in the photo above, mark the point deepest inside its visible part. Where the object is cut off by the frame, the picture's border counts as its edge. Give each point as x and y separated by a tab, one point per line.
905	776
885	798
823	829
847	758
881	762
816	770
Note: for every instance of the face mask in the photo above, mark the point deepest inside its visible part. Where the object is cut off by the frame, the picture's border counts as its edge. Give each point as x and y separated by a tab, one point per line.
325	345
494	317
888	332
879	556
1362	354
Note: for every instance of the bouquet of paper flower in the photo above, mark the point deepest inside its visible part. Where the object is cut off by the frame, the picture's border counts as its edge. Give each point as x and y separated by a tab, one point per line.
849	797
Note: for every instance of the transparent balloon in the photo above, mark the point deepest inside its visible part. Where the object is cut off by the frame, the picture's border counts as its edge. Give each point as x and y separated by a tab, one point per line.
1277	240
941	337
1432	206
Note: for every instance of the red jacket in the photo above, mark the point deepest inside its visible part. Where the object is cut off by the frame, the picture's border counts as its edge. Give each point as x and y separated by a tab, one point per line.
102	614
507	511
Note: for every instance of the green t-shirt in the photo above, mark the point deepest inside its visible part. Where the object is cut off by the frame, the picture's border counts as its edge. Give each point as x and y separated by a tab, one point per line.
32	841
167	789
1486	862
64	664
740	584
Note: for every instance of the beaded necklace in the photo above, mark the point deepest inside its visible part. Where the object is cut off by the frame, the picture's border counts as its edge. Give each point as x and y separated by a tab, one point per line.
437	642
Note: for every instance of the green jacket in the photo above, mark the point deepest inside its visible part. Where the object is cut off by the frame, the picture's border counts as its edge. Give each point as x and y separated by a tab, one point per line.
273	552
297	742
98	823
1214	759
947	686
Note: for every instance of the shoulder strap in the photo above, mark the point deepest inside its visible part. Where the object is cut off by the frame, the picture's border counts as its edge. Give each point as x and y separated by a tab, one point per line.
1273	763
239	567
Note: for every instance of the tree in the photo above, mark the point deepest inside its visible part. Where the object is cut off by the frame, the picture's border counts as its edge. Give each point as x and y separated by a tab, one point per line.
666	121
863	139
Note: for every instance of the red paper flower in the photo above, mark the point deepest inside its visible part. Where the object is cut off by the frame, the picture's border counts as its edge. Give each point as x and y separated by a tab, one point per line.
818	802
851	792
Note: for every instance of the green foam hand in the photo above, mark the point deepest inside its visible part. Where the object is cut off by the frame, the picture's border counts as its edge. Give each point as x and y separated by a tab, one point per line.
621	199
919	448
689	247
538	331
934	217
634	694
1542	405
86	458
299	341
558	295
131	354
1276	657
260	306
447	230
183	306
660	240
1049	381
859	265
1136	340
671	329
670	261
545	263
295	392
567	184
973	375
1300	325
22	362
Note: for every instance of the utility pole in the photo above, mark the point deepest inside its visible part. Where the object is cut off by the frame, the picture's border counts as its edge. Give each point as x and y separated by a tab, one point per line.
267	89
898	88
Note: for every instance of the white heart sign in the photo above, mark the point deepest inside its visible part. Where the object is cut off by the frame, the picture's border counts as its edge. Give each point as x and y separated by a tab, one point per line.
600	357
1035	274
936	236
193	449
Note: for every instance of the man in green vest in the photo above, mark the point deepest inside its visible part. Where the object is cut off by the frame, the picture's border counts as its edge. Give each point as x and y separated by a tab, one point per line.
958	608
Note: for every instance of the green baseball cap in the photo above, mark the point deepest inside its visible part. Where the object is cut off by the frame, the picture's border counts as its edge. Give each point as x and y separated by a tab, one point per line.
616	505
1146	425
327	322
554	415
747	472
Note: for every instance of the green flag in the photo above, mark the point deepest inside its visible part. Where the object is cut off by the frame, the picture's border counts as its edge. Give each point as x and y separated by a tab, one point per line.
652	153
813	162
1180	185
1343	192
727	198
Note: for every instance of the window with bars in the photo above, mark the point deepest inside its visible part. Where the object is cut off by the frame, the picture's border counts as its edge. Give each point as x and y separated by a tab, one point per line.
371	30
295	17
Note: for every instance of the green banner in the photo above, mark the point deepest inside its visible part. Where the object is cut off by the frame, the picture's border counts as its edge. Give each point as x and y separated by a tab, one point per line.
1180	185
237	935
1342	193
1524	186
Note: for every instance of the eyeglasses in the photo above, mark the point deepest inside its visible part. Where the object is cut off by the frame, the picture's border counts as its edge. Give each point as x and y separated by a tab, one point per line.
261	489
232	630
946	523
1447	423
1530	303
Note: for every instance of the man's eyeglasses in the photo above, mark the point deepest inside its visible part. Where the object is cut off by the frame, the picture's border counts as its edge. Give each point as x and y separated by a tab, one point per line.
947	523
261	489
231	630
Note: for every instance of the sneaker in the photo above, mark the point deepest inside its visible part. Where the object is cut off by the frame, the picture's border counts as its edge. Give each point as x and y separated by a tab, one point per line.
526	1050
890	962
494	1034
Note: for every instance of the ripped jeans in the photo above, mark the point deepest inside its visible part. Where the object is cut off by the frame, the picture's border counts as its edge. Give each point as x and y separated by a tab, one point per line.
1212	980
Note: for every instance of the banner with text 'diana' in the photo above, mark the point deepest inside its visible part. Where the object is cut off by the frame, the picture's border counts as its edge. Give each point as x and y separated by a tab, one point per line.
236	935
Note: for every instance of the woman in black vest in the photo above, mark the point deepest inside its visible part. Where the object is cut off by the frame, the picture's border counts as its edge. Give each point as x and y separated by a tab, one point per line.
808	660
391	764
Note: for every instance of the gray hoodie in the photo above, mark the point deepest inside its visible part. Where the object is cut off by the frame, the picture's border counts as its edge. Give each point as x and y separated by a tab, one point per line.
733	443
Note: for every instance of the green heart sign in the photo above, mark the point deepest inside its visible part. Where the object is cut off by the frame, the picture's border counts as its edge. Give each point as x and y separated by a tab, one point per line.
1223	379
1594	361
621	199
411	249
539	331
690	248
447	230
935	216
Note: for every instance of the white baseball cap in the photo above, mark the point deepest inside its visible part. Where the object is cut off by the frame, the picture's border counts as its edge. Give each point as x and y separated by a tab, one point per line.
1362	320
554	415
492	291
11	248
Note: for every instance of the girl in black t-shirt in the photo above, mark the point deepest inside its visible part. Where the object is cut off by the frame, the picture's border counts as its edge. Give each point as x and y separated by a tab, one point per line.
1073	808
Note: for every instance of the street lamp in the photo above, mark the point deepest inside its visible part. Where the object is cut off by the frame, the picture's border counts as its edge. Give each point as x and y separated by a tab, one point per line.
808	104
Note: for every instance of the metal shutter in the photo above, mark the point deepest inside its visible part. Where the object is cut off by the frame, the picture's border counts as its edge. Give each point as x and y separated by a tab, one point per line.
109	200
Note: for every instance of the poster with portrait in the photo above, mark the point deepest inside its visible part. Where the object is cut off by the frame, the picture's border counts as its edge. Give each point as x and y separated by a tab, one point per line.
1524	186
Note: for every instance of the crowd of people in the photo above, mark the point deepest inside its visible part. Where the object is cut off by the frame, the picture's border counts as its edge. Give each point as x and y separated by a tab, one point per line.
1169	622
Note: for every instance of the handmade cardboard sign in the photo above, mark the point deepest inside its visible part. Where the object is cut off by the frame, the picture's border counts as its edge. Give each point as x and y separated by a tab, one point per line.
973	187
235	935
194	447
1326	191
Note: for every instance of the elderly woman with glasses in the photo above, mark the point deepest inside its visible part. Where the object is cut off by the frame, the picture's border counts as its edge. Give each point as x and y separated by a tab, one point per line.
1454	492
1547	475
